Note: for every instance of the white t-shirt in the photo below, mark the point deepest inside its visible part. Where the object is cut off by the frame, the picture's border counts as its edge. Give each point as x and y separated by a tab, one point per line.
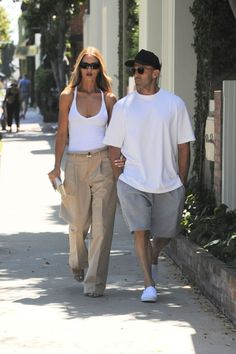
148	129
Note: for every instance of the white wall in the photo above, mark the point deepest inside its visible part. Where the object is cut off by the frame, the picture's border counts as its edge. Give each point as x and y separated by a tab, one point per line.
165	27
93	25
185	63
150	22
101	31
168	44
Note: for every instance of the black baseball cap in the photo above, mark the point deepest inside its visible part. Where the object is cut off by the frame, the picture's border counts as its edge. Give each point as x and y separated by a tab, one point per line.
145	57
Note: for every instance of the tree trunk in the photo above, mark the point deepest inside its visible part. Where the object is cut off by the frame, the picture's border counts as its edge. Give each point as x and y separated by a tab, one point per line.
57	57
61	46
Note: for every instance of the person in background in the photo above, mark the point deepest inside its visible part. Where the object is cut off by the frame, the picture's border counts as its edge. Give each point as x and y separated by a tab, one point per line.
11	105
84	111
24	86
151	128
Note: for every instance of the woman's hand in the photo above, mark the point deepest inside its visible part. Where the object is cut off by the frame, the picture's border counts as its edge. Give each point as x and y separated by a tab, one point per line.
120	162
56	172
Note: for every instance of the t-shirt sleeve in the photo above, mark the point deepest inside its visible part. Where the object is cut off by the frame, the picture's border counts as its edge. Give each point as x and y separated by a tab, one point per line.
185	130
116	129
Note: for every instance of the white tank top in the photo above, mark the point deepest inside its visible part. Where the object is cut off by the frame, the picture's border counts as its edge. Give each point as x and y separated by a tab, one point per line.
86	134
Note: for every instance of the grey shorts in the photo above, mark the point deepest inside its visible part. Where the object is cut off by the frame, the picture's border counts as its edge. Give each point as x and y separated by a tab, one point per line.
158	213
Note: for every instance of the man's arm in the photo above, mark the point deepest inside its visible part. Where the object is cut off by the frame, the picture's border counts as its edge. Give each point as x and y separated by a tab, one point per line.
184	161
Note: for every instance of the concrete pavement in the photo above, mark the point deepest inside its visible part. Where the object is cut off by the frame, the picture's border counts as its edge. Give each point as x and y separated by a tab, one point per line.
43	309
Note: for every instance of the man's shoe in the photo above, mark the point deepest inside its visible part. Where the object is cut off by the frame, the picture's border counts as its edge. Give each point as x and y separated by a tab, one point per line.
149	294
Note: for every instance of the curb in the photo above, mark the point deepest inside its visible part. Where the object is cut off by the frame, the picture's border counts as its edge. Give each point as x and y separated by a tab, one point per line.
215	279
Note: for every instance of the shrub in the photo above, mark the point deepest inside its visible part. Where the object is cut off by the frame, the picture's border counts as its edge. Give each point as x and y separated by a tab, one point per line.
46	94
213	228
44	80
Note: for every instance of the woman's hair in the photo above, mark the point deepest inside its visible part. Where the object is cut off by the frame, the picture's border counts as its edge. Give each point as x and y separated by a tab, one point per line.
103	80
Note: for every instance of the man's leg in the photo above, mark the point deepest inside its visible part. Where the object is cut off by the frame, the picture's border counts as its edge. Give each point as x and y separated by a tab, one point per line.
158	244
143	251
136	208
23	106
167	212
26	104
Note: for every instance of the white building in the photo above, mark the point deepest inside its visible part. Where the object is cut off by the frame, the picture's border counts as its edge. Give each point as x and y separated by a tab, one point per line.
165	27
101	31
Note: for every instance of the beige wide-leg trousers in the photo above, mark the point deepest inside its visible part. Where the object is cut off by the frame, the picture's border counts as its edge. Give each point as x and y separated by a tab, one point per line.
90	202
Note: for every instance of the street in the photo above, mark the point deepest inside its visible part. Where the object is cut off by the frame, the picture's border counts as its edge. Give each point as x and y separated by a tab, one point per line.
43	309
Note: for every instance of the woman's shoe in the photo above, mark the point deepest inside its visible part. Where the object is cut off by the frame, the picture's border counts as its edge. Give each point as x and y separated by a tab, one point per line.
78	274
93	294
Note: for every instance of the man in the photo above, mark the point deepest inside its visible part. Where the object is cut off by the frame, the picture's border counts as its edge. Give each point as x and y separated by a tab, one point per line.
151	128
24	86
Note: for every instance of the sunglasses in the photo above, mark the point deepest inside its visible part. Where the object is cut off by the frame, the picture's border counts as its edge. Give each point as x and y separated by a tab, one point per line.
85	65
140	70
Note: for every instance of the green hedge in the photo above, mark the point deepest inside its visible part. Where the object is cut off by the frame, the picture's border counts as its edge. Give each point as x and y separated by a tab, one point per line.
214	45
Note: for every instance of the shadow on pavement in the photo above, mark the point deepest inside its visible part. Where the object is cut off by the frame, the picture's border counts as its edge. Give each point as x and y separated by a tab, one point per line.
39	265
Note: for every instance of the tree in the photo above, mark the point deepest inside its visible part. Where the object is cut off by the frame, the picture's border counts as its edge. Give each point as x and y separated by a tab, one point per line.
6	48
128	38
4	27
214	44
52	20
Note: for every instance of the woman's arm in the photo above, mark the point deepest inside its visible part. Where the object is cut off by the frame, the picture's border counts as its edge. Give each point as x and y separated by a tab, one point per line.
65	101
116	158
110	100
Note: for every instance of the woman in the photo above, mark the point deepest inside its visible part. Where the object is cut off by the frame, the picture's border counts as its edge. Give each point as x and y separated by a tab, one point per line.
84	111
11	104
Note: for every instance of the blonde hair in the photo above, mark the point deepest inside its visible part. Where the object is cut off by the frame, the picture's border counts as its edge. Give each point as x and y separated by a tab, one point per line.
103	80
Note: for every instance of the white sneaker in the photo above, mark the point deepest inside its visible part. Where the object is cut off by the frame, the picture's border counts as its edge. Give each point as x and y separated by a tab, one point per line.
149	294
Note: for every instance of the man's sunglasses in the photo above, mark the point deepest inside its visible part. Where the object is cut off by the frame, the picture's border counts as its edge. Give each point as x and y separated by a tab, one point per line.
140	70
85	65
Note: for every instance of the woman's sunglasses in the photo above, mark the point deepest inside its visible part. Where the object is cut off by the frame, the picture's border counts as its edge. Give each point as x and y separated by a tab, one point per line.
85	65
140	70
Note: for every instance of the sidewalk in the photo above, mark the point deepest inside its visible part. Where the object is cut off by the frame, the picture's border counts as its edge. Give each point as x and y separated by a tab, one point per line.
43	309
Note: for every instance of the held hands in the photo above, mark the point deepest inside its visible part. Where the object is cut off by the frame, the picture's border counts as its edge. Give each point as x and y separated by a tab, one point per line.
120	163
